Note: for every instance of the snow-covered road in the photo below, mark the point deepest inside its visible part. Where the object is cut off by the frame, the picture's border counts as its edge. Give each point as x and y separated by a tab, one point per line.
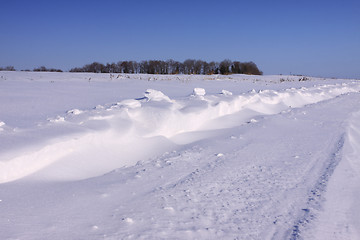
217	166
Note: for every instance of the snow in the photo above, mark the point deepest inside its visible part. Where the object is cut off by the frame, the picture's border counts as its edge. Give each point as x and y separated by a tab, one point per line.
340	220
199	92
89	156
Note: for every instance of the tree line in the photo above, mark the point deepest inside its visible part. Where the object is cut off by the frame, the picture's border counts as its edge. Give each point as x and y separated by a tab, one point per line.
39	69
44	69
189	66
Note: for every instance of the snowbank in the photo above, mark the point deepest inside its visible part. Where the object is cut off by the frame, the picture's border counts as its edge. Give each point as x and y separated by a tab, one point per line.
154	120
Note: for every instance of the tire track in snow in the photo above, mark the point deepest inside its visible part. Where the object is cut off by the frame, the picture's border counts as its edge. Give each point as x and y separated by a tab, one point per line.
316	195
339	218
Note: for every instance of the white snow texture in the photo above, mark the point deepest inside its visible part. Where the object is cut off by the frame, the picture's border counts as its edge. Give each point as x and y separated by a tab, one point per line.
193	157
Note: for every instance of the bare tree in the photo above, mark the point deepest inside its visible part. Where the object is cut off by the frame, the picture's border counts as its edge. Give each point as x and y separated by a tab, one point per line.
250	68
235	67
225	66
189	66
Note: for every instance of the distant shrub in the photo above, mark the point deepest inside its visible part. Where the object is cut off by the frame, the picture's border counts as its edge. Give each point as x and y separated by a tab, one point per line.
77	70
303	79
8	68
44	69
94	67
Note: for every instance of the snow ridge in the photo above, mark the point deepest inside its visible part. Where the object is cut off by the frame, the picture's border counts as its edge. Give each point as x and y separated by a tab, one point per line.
154	118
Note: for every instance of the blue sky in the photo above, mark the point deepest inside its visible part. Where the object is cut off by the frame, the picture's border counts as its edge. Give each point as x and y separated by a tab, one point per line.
319	38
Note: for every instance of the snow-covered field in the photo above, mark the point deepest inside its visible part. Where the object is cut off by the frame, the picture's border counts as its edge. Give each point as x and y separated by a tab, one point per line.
116	156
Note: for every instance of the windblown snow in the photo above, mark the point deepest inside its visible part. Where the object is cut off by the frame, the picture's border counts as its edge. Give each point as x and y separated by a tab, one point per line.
90	156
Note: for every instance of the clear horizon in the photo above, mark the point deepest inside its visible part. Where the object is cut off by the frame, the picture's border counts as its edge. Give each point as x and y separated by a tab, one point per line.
320	38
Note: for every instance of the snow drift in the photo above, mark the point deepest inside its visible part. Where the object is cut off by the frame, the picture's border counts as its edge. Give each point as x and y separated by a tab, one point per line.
108	136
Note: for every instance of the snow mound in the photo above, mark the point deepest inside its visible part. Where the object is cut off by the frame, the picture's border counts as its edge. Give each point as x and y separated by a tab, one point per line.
74	112
199	92
57	119
130	103
154	95
226	93
155	123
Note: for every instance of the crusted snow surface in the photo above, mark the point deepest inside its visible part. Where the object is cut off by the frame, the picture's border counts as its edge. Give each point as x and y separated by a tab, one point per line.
200	164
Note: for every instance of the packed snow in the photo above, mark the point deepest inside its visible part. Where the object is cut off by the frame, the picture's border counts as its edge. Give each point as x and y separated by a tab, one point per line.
118	156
